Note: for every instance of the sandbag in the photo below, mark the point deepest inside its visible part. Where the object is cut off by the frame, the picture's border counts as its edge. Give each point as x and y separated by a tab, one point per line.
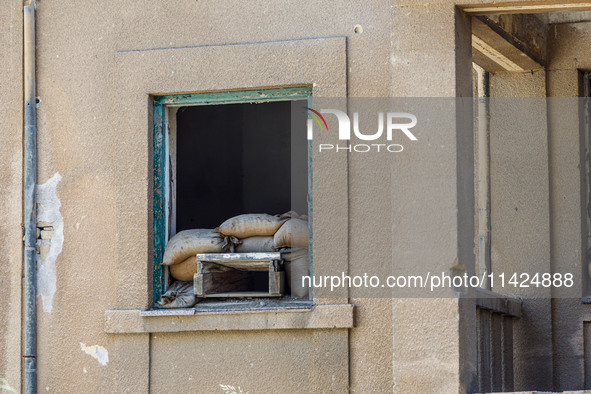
288	215
255	244
179	295
297	265
292	215
184	271
190	242
251	225
229	243
293	234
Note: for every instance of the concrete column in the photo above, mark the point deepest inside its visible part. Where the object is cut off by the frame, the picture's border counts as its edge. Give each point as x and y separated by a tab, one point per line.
433	199
567	53
520	212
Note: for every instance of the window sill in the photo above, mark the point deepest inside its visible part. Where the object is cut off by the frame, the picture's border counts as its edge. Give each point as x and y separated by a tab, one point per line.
136	321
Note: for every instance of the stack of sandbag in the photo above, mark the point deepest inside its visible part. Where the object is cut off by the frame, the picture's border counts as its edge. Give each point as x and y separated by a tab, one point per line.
287	233
297	265
188	243
251	232
251	225
246	233
181	249
292	240
292	234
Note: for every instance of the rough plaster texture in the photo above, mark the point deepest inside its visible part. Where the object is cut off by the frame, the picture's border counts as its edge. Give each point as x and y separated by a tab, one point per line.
443	166
94	129
11	191
520	203
526	31
307	361
95	74
566	54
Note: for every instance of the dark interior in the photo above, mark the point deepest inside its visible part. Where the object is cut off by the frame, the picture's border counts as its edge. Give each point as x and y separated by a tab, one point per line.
237	158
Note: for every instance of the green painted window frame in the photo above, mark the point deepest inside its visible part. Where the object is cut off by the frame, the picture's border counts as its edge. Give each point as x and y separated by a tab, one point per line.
161	102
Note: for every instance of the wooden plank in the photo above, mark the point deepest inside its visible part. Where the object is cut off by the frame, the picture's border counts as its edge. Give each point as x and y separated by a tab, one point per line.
246	265
225	257
496	347
484	370
158	205
273	285
276	283
198	285
242	294
507	353
238	96
204	267
241	261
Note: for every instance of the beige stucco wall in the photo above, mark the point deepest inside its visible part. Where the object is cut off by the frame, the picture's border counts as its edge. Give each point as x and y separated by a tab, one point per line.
519	203
96	66
432	190
536	184
11	191
567	55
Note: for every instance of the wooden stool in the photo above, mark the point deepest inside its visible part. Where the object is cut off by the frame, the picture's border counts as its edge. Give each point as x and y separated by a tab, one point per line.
239	275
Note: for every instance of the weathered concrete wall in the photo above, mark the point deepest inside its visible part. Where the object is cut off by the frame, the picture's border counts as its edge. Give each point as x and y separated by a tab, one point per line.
520	203
11	114
95	74
98	142
525	31
96	66
432	190
268	362
545	194
567	53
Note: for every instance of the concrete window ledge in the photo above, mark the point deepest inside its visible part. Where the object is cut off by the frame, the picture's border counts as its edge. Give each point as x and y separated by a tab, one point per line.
134	321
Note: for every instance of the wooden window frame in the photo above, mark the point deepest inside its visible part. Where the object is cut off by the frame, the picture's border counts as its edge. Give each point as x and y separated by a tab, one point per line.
585	108
161	163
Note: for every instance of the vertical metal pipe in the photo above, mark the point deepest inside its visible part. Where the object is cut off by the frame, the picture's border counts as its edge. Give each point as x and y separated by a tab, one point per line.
30	211
484	175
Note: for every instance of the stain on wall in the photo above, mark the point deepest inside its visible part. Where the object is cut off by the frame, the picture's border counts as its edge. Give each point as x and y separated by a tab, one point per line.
50	241
100	353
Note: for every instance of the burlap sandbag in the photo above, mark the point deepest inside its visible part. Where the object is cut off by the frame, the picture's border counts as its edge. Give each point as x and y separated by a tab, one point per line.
296	266
184	271
251	225
292	215
255	244
179	295
190	242
293	234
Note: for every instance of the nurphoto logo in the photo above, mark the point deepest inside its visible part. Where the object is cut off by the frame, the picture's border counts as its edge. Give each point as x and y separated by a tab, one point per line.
392	122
